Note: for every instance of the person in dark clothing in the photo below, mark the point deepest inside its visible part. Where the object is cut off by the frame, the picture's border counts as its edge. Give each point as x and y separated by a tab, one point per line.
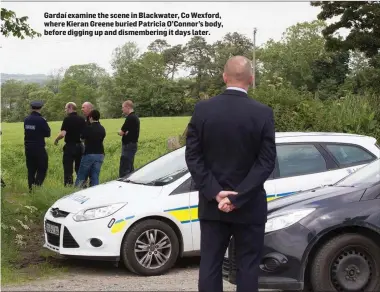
230	153
93	157
130	132
36	129
87	107
71	129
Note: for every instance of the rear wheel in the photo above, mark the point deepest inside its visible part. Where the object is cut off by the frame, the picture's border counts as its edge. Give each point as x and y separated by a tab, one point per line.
348	262
150	248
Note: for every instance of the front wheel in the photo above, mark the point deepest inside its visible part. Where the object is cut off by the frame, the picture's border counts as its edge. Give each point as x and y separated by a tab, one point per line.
348	262
150	248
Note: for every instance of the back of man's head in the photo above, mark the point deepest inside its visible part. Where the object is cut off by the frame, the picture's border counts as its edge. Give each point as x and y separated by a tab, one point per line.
238	72
95	115
129	103
71	106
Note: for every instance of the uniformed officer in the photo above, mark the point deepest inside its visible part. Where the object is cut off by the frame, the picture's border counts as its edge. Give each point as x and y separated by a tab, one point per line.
36	129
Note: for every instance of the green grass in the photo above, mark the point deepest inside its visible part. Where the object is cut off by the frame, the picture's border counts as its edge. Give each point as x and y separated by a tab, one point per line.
20	252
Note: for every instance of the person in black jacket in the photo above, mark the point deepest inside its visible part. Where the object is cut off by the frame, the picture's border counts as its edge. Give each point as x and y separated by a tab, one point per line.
71	129
130	132
230	153
36	129
93	157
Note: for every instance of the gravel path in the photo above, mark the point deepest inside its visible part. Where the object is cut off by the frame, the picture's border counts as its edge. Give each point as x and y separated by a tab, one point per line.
91	276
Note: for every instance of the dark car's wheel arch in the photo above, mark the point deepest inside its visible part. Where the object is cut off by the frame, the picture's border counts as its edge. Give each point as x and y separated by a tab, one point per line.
362	229
165	220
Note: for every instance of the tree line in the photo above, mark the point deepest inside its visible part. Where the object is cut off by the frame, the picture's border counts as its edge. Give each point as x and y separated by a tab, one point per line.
312	79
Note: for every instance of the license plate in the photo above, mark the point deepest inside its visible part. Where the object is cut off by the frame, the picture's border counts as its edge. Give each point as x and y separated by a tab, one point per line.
52	229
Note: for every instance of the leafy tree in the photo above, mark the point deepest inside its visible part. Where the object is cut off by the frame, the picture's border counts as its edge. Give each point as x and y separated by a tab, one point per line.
361	18
158	46
18	27
301	59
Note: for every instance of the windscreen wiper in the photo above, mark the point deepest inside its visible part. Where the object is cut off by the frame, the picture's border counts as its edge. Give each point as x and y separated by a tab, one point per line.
135	182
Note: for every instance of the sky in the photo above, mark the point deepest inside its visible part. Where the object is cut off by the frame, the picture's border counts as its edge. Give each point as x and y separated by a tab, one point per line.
47	54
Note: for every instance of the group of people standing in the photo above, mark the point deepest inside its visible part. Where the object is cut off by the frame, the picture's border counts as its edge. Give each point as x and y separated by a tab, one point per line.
84	144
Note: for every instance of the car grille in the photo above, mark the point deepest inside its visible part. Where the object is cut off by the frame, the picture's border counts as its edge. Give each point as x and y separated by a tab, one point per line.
68	240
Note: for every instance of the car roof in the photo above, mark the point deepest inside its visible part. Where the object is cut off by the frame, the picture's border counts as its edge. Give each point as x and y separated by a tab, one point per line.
323	137
299	137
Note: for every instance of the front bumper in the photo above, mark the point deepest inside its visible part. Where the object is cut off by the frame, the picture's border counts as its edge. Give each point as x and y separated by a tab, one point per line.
282	262
91	239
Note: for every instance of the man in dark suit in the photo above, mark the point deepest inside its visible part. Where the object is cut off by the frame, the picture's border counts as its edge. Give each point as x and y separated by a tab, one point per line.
230	153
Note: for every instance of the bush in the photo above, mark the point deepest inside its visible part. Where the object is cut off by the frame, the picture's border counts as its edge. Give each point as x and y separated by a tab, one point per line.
300	111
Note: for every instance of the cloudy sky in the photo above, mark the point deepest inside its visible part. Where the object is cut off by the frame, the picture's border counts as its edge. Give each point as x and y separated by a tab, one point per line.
48	53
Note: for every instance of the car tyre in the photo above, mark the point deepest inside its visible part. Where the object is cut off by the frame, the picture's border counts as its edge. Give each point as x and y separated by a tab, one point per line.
161	254
348	262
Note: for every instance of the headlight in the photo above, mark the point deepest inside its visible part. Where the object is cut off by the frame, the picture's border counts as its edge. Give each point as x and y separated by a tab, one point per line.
98	212
283	220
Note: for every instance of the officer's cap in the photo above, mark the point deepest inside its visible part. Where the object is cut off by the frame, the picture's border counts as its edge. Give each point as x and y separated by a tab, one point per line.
36	104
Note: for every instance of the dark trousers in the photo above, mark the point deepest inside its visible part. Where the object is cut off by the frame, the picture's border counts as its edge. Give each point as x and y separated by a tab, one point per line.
37	165
72	155
127	158
215	237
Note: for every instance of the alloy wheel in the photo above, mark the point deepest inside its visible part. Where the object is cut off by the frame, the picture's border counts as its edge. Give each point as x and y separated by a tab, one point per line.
153	249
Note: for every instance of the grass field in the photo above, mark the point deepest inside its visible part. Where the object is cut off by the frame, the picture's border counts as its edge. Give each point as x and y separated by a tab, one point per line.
22	213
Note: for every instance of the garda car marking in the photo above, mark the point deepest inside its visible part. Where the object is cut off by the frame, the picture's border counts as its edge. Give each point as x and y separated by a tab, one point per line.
182	214
119	224
190	214
273	197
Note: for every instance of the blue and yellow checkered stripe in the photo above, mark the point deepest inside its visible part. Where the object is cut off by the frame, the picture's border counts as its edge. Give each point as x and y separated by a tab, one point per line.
190	214
185	214
120	224
273	197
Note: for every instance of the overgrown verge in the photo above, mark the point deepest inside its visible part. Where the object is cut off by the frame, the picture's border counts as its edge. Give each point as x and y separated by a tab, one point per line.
301	111
22	239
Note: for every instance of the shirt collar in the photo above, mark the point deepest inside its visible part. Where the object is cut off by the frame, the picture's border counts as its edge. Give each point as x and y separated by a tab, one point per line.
236	88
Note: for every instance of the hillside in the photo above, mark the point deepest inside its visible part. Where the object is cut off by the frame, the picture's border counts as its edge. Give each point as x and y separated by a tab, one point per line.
34	78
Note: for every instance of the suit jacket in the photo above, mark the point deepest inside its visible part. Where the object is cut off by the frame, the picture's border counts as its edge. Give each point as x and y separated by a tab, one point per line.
230	145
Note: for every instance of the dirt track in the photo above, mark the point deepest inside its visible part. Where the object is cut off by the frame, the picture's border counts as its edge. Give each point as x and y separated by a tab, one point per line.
94	276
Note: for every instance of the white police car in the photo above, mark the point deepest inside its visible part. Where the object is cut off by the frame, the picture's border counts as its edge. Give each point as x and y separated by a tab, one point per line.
150	219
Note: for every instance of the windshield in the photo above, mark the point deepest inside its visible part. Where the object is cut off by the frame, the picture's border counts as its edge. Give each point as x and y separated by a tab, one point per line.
164	170
369	174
